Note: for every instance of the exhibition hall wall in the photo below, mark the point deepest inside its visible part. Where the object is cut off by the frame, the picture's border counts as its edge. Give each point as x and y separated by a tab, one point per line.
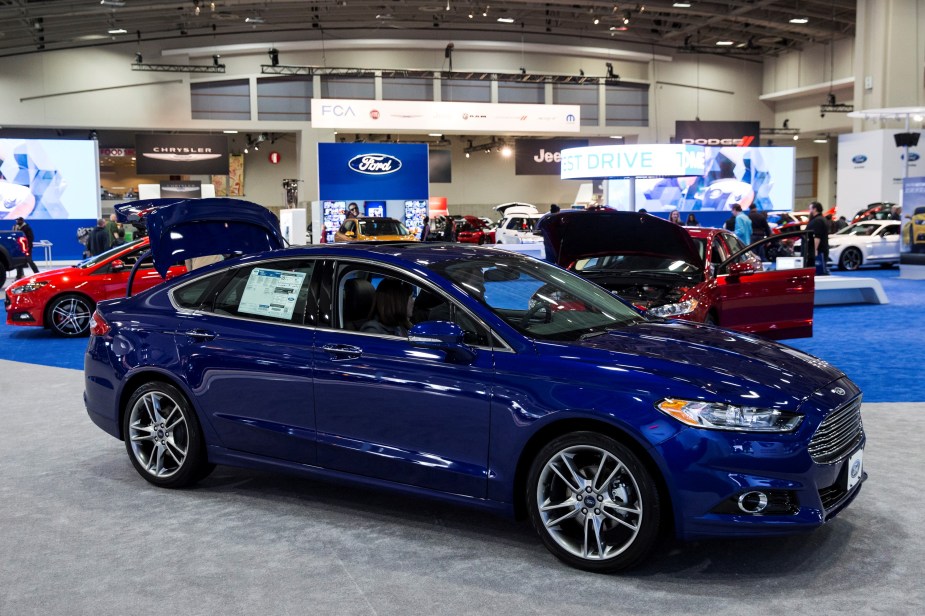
96	89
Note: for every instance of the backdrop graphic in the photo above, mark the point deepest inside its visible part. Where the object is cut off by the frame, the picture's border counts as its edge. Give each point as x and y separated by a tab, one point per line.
912	252
49	179
871	169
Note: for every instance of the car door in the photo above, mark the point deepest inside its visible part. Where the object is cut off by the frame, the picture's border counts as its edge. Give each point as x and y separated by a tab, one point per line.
388	410
113	280
247	355
886	247
775	304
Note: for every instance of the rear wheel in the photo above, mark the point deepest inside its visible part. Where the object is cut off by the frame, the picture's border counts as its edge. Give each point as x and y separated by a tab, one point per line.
851	259
3	268
163	437
69	315
593	503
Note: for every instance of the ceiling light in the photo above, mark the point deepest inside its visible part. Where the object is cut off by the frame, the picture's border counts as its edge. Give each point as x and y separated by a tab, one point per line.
434	134
682	5
796	137
506	151
799	20
467	154
506	20
118	31
255	20
112	2
230	132
724	43
917	118
596	21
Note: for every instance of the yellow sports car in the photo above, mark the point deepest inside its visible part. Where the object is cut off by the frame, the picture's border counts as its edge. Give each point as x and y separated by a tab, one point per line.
916	231
372	228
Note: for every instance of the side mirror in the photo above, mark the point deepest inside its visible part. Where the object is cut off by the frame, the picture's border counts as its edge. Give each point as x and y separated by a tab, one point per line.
741	269
351	234
441	336
117	266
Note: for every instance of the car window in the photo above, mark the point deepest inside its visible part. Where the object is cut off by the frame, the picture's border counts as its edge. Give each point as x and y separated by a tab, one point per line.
198	293
890	230
131	258
275	291
537	298
358	290
375	227
734	243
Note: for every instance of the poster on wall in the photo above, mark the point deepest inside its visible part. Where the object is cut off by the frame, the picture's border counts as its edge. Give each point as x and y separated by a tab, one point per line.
441	166
717	134
231	185
913	222
49	179
763	176
163	154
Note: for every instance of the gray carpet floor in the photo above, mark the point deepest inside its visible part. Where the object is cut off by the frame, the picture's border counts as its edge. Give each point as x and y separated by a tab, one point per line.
82	533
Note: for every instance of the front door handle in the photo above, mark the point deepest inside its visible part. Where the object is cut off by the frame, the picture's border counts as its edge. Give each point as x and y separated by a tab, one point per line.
200	335
342	352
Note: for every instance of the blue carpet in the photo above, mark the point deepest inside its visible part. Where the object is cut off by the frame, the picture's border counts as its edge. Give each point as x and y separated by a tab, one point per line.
878	347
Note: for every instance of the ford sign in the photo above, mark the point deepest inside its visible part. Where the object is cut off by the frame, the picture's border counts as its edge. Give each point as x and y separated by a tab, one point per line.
374	164
860	159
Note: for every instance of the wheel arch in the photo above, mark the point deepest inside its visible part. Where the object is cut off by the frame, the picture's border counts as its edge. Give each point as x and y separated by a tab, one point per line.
547	433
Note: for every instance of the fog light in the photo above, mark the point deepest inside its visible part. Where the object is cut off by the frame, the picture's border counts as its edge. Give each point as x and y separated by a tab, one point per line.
753	502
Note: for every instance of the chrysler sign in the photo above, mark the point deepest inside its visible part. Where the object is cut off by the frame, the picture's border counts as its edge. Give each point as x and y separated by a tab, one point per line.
181	154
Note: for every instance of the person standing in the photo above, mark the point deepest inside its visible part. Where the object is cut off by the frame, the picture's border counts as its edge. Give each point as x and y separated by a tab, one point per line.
22	225
692	221
98	242
112	229
820	231
353	211
742	224
675	217
760	228
425	228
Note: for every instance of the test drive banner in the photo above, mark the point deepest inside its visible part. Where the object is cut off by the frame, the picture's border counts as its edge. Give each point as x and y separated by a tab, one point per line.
181	154
542	156
743	134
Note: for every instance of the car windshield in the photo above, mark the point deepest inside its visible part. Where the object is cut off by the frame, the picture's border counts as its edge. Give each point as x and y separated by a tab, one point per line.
107	255
629	263
538	299
382	227
859	229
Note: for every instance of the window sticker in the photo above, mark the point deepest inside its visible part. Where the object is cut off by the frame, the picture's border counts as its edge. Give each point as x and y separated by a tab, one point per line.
271	293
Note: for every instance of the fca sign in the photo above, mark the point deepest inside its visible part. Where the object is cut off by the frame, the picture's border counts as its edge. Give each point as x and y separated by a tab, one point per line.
337	110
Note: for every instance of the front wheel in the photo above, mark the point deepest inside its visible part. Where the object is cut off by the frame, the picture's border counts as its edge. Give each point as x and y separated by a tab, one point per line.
69	316
163	438
851	259
593	503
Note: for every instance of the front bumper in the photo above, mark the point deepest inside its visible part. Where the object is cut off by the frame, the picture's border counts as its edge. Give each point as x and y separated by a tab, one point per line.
710	470
23	309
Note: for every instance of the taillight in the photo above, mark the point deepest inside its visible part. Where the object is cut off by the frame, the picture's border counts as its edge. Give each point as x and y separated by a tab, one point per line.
98	325
24	244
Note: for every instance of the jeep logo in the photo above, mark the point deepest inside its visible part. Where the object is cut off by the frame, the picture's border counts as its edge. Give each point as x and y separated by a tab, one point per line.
860	159
374	164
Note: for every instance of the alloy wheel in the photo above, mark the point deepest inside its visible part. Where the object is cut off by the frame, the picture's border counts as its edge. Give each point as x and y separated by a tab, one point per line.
158	434
70	316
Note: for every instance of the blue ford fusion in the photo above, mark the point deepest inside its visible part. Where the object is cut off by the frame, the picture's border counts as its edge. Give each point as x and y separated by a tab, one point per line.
471	375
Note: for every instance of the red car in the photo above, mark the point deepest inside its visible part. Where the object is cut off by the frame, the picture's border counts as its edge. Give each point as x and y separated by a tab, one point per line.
875	211
698	274
472	230
62	300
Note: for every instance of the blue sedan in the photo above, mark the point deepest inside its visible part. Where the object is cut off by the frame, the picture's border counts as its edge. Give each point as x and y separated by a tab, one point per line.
470	375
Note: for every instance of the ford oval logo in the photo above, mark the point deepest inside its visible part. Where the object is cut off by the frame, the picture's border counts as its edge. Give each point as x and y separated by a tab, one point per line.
913	156
374	164
859	159
839	391
855	469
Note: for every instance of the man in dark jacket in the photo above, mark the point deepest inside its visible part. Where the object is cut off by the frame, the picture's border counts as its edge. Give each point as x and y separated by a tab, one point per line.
99	239
760	227
820	242
22	225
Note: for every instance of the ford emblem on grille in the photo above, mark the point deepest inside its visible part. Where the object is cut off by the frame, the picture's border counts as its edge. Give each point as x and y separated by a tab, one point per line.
838	391
859	159
374	164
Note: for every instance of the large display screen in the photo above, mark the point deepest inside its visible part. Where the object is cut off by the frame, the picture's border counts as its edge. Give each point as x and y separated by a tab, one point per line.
49	179
760	175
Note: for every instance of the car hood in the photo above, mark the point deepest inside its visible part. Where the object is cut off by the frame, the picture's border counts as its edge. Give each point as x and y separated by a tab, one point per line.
693	359
581	234
53	276
182	229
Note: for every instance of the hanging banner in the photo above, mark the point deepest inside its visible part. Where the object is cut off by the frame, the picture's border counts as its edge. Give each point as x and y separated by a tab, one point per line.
181	154
741	134
542	156
181	189
351	114
628	161
231	185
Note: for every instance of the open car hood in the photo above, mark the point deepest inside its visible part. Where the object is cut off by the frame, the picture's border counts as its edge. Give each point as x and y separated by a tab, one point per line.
182	229
578	234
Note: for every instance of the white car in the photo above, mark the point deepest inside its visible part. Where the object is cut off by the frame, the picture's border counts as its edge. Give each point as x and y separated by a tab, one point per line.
865	243
518	224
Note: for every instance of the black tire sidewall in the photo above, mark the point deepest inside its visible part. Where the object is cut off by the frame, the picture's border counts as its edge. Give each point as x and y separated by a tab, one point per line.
842	264
49	315
651	521
195	466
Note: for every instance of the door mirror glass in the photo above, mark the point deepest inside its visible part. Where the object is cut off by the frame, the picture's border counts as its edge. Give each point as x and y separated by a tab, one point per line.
742	269
441	336
117	265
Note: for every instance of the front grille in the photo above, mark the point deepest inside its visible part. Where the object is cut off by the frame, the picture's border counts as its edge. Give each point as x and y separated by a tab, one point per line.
838	434
831	495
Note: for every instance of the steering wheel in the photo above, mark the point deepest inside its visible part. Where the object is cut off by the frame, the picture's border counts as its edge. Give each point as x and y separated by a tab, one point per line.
533	311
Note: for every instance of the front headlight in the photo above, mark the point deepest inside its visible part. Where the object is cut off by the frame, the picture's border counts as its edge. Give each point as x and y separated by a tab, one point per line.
720	416
673	310
27	288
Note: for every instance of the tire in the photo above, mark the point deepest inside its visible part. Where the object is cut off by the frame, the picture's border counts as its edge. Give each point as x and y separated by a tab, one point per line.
481	240
69	315
2	274
850	259
614	533
163	438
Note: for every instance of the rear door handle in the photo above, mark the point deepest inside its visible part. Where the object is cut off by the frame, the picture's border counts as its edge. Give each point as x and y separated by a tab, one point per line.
342	352
200	335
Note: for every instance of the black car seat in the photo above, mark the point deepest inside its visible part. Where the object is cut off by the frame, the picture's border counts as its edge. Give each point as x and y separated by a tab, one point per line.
358	303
